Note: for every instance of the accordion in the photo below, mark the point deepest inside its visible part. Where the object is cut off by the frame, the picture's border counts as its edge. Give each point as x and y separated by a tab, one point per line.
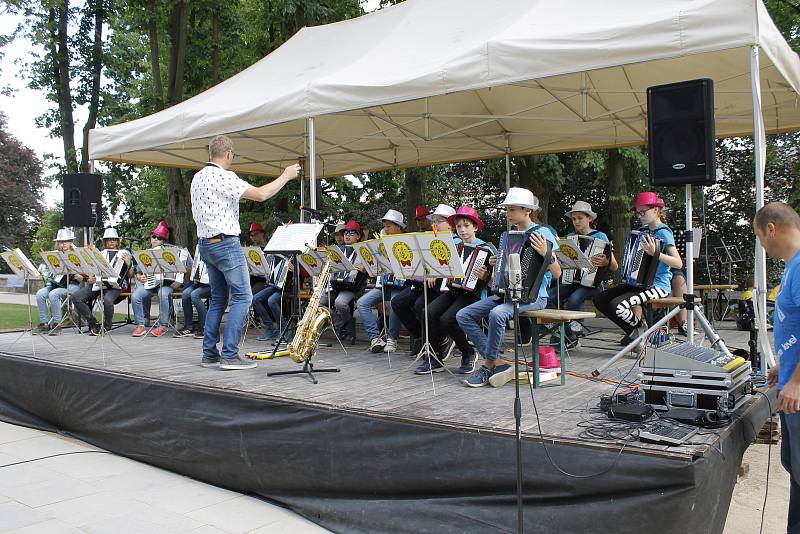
472	257
638	267
354	280
533	265
199	271
117	260
593	276
279	272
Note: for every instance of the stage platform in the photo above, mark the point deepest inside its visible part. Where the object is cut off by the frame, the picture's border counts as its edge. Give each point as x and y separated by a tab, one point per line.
372	448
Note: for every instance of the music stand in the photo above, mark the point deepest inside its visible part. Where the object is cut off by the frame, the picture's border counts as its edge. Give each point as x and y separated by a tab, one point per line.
430	255
19	263
291	240
58	263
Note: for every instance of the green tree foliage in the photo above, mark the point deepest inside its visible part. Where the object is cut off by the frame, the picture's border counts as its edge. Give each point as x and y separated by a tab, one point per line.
21	182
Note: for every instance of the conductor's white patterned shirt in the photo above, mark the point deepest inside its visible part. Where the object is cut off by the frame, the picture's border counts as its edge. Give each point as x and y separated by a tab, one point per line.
215	201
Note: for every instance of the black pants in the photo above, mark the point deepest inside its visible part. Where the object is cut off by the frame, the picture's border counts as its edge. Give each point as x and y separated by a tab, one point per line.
442	318
84	298
409	305
617	303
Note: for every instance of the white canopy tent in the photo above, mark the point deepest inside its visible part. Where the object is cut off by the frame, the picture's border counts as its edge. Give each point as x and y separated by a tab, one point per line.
434	81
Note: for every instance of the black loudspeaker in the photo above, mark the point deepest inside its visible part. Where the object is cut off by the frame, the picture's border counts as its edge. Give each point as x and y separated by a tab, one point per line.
680	133
82	200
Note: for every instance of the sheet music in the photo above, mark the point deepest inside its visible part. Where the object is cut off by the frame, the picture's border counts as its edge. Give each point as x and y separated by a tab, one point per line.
20	264
293	237
56	262
146	261
313	261
169	258
102	267
427	254
367	257
570	255
339	262
256	261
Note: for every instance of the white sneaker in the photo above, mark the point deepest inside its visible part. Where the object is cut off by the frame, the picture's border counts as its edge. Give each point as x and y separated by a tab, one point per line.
376	345
391	345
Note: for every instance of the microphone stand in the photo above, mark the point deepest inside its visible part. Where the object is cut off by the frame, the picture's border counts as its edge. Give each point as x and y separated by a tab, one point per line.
515	298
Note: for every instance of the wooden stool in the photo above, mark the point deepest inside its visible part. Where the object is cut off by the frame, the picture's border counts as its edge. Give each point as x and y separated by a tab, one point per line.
660	304
559	317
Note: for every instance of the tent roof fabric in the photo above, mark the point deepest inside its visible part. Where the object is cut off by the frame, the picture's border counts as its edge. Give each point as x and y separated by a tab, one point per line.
435	81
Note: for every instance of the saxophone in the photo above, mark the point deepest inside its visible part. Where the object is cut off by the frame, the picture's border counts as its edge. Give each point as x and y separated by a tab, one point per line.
315	319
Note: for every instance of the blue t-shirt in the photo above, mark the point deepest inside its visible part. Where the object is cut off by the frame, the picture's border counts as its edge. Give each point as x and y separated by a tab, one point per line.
545	231
787	321
663	278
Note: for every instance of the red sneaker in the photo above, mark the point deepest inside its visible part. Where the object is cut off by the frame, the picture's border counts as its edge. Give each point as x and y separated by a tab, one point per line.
158	332
139	332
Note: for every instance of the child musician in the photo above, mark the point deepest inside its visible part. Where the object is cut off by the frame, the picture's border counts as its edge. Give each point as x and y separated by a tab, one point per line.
258	236
442	311
267	302
341	296
617	303
121	261
409	303
194	293
149	285
520	204
573	296
393	223
56	290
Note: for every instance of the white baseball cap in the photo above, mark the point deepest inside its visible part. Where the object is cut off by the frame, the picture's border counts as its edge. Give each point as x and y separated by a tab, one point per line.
583	207
395	217
110	233
518	196
65	234
442	210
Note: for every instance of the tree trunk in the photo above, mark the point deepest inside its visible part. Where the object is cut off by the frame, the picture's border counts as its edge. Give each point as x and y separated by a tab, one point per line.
177	199
155	57
59	19
618	197
215	59
415	194
97	67
530	178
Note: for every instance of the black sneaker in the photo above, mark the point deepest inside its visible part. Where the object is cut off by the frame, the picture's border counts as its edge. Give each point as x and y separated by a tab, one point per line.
40	330
183	333
210	361
236	364
199	334
94	330
55	331
468	363
626	339
429	365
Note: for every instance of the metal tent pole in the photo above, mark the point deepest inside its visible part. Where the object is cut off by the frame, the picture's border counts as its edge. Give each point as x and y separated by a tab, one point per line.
759	157
312	164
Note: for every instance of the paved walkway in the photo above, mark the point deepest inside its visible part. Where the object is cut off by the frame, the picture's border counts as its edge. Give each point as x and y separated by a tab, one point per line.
105	493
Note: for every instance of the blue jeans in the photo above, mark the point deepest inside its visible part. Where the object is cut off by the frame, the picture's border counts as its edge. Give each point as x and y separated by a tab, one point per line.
267	304
227	272
573	296
193	295
371	299
55	297
141	298
498	313
790	458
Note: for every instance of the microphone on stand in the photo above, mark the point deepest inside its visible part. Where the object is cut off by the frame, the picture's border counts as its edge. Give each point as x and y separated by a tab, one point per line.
514	277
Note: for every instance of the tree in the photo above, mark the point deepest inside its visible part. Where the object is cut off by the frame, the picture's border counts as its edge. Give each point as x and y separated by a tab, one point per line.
21	182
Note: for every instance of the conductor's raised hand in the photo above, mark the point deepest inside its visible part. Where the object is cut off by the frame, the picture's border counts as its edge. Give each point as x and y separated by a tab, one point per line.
539	243
292	171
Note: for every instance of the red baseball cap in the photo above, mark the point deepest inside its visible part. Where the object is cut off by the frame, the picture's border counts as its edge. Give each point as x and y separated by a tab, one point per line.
648	198
422	211
354	226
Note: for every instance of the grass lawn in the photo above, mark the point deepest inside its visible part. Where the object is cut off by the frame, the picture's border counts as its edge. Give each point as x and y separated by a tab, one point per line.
13	316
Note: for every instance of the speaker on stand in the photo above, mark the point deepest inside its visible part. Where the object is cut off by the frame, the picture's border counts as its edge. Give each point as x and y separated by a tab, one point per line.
83	202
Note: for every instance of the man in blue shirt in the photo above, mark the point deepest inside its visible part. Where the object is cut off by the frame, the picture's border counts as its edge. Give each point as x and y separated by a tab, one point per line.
777	226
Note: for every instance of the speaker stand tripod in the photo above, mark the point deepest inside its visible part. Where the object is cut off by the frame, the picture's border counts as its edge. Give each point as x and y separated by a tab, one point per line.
689	305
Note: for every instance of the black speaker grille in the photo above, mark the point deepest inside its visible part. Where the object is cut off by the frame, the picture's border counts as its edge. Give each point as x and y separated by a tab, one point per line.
83	200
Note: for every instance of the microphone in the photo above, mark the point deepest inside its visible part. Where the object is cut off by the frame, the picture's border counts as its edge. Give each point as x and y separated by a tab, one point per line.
514	276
